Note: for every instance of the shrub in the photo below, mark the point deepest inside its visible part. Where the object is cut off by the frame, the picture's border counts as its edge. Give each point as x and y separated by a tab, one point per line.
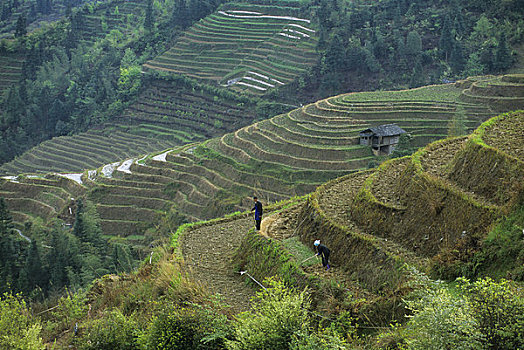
279	316
113	332
188	328
486	315
70	309
324	340
442	321
17	329
498	311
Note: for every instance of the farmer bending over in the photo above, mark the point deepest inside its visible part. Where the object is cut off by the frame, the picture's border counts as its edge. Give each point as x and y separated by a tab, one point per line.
323	251
258	213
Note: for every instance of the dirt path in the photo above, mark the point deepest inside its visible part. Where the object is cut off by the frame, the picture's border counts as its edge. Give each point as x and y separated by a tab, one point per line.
207	252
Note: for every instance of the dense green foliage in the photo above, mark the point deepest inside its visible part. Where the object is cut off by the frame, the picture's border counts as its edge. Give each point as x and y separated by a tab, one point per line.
56	257
398	44
17	328
188	328
501	254
113	332
476	315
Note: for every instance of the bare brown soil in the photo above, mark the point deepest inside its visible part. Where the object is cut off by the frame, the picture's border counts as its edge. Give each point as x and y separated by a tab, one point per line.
386	187
436	159
336	199
508	135
207	252
283	224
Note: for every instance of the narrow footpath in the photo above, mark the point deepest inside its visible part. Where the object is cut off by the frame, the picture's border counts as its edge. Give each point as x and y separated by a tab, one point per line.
207	252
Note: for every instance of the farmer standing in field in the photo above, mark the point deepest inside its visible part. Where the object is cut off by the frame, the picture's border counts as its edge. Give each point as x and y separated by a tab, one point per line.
258	213
323	251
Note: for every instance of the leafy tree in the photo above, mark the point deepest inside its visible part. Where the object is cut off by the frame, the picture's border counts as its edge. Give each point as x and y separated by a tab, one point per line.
17	328
180	14
21	26
335	55
481	315
456	59
79	227
440	320
473	66
417	76
278	315
148	21
502	54
9	251
447	41
498	310
33	274
413	44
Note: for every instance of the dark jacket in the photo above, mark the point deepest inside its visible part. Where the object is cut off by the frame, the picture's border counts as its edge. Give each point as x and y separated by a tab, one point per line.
258	210
323	250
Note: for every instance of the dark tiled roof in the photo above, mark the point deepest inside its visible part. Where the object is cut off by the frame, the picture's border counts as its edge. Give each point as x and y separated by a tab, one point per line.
384	130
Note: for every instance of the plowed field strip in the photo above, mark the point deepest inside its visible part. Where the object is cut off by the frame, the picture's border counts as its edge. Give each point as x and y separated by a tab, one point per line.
207	253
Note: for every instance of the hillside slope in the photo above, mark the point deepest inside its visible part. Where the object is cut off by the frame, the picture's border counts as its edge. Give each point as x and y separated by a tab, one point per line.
371	266
278	158
167	114
247	47
406	214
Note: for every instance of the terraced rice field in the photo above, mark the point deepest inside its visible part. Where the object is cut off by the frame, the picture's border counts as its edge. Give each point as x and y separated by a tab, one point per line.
87	150
246	47
10	71
287	155
164	116
413	208
278	158
364	260
45	197
8	26
501	93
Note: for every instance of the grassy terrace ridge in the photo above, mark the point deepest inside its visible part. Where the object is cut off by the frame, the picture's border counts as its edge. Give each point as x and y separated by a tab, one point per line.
285	156
254	52
218	176
43	197
500	93
411	209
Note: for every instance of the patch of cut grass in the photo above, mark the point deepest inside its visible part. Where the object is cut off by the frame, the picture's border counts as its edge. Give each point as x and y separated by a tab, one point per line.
300	251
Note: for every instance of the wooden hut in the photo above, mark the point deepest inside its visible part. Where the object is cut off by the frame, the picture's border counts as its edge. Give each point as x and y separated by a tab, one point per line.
383	138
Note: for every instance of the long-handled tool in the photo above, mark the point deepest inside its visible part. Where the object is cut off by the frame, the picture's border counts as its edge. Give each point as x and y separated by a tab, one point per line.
257	282
311	257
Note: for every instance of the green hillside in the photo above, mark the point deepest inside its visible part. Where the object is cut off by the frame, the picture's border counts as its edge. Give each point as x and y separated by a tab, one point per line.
278	158
388	229
135	133
10	70
165	115
248	47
